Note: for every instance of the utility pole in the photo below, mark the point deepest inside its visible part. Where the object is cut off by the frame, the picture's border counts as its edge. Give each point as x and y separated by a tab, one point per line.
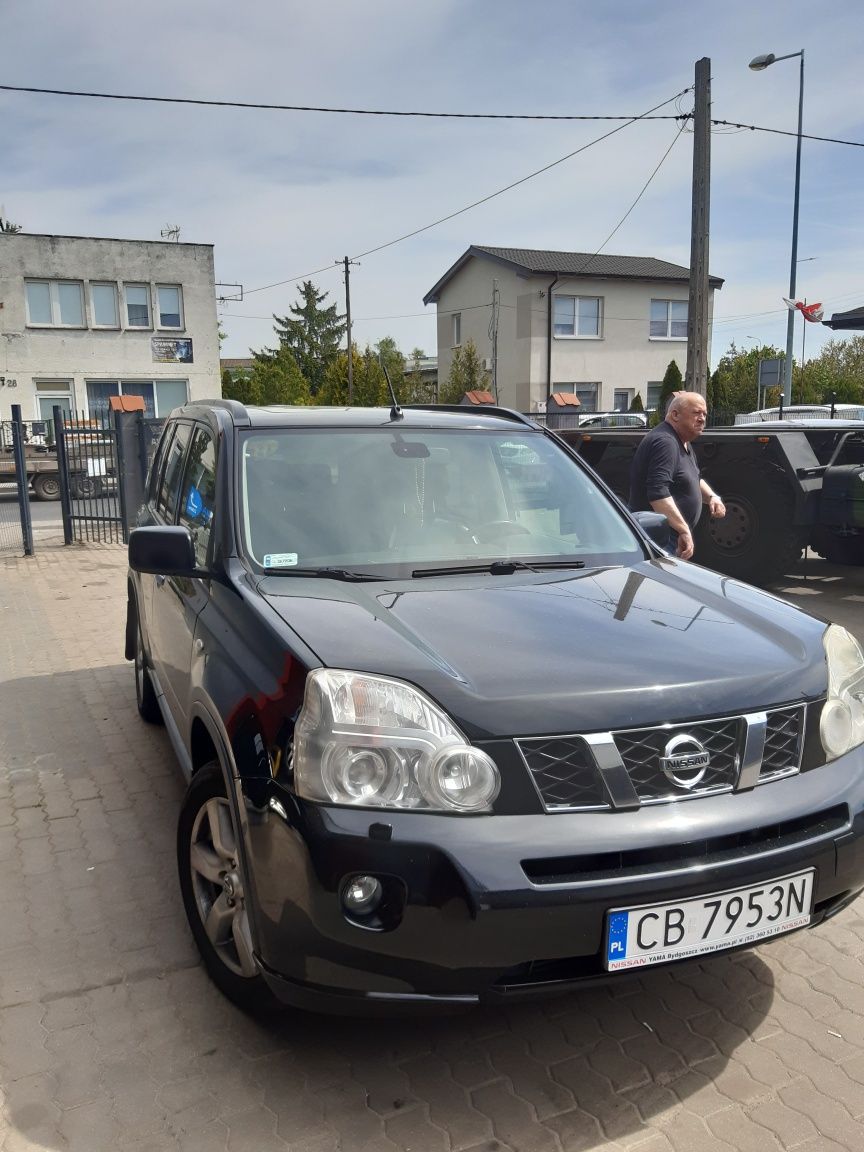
696	377
347	263
493	335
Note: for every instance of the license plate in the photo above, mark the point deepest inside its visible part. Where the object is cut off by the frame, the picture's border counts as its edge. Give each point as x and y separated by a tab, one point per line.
655	933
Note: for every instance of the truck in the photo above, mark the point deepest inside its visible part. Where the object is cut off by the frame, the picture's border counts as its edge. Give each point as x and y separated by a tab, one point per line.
786	486
87	479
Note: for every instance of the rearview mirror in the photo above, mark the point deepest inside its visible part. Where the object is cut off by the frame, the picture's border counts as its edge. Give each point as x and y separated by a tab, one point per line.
165	551
655	526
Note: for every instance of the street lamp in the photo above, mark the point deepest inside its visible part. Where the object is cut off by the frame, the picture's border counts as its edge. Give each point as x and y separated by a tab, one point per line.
758	64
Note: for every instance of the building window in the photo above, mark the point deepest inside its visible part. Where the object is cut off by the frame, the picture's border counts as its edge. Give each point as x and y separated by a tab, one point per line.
55	303
138	305
160	396
668	320
170	301
103	303
586	393
457	329
577	316
654	388
623	398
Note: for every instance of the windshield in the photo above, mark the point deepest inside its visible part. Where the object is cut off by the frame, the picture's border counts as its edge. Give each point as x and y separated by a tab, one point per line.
392	501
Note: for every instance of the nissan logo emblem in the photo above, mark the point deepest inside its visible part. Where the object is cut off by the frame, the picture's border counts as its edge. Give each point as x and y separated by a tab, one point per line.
685	760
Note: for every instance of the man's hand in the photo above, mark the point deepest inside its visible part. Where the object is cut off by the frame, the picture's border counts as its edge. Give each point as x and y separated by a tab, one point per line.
685	545
716	507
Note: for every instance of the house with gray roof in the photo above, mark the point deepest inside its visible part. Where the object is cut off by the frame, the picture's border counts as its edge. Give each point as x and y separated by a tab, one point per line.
602	327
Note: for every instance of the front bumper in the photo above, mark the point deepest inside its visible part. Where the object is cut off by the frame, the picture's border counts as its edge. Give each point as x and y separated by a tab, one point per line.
500	907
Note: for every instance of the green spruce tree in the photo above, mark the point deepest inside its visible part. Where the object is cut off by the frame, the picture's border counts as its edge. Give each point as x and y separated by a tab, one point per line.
313	333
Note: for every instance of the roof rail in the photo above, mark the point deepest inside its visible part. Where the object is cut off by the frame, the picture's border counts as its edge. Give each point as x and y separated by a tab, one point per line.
235	407
486	409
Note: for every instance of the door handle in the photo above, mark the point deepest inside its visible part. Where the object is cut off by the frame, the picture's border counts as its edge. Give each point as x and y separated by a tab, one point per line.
160	580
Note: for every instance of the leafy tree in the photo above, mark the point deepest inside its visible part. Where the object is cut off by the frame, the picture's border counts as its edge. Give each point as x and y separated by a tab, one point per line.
370	386
466	374
239	386
839	368
733	385
672	382
636	404
418	390
393	360
312	333
276	378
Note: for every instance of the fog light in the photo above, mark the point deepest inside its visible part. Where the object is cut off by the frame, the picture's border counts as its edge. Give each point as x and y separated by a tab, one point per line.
362	895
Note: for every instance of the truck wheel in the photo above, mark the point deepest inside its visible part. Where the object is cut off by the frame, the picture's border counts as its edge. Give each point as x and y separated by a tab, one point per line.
757	540
86	487
46	486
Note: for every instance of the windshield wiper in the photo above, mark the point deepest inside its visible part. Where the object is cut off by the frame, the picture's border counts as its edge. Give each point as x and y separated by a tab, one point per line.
348	574
499	567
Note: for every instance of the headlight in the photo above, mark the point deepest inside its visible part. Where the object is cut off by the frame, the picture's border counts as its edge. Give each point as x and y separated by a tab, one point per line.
842	723
378	743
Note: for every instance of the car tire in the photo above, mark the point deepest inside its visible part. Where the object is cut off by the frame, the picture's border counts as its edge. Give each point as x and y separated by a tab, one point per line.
757	540
214	891
145	693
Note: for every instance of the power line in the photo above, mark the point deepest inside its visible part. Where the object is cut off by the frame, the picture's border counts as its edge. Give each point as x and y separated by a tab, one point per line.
315	108
260	106
523	180
477	203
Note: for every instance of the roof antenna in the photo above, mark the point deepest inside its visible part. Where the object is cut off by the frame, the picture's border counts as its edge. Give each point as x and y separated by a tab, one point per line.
395	411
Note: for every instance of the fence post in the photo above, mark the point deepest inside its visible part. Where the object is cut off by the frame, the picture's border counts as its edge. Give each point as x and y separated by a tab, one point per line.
63	473
120	445
21	477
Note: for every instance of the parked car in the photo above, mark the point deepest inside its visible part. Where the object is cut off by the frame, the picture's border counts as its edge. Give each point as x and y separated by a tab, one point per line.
803	413
614	419
447	741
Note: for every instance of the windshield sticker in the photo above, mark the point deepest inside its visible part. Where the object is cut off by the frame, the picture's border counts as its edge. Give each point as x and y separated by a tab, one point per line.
280	560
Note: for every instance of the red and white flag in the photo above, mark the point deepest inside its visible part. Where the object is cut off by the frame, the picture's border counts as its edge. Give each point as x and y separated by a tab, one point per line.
811	312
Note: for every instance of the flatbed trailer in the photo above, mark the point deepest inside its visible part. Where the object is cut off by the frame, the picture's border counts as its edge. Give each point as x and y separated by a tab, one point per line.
785	486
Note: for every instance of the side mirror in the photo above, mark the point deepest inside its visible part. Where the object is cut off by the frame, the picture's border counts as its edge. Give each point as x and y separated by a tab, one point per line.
163	551
655	526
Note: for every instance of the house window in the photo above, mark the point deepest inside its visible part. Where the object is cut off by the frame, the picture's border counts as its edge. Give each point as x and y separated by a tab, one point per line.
457	329
55	303
654	388
623	398
170	300
103	303
577	316
137	305
160	396
668	320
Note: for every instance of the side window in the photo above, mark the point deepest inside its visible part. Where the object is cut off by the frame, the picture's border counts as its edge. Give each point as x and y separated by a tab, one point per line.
199	492
169	484
159	461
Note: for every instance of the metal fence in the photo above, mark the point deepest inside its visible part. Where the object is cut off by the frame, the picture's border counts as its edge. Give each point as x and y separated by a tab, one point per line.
89	459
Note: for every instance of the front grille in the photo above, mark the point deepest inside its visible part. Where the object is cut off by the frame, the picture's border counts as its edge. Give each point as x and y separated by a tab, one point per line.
564	772
567	776
784	739
641	751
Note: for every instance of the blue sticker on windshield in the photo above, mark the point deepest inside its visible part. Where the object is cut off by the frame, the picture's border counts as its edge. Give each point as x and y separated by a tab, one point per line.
194	503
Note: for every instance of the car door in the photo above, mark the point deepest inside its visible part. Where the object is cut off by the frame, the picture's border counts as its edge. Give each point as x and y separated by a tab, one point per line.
179	599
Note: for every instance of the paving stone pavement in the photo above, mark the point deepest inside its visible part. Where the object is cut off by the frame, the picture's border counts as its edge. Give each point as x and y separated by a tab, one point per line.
112	1038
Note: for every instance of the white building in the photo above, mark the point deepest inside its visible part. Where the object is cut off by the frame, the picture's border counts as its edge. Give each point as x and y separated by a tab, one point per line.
604	327
82	319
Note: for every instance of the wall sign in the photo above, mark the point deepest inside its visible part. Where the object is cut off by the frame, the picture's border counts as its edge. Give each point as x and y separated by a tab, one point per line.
171	350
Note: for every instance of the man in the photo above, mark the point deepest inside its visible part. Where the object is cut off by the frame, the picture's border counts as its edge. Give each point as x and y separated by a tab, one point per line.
664	475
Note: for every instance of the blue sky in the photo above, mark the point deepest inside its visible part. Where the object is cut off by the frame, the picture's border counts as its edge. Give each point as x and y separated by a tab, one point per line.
280	194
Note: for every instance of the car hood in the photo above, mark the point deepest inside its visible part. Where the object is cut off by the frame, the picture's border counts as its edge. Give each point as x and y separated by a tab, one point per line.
571	651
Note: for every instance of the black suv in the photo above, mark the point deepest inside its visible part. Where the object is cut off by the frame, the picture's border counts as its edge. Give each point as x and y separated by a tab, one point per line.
455	728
